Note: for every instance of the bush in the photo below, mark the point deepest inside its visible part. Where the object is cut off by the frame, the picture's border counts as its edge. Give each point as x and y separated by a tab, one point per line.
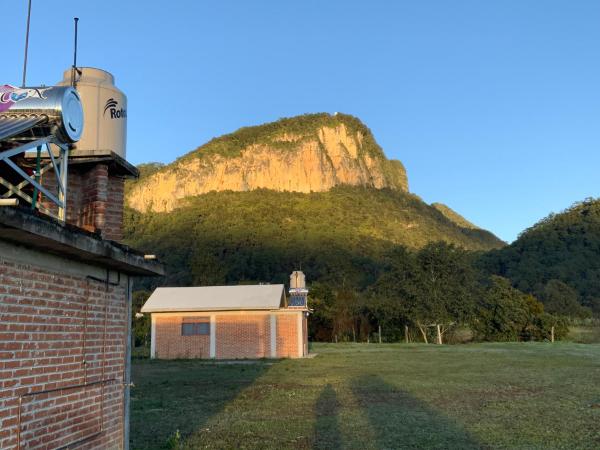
460	335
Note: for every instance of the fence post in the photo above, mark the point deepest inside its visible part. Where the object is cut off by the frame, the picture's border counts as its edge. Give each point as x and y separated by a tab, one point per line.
552	334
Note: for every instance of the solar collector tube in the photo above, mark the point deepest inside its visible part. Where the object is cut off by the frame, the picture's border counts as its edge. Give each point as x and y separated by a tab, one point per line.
41	111
15	125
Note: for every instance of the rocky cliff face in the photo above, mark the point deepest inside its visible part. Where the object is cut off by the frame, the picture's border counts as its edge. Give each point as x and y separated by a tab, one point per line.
310	153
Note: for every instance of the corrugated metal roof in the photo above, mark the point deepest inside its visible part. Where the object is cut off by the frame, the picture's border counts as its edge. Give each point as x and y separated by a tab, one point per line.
14	125
215	298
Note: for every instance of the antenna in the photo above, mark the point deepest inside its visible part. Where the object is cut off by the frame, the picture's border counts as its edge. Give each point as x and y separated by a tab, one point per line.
26	44
74	68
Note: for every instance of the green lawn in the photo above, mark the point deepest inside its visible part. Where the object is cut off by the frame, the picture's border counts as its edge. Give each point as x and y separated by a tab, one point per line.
361	396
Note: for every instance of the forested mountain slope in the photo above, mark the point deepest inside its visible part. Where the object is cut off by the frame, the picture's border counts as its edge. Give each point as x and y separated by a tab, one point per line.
558	259
260	236
454	216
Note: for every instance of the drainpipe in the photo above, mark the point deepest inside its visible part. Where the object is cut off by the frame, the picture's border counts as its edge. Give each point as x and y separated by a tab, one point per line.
127	375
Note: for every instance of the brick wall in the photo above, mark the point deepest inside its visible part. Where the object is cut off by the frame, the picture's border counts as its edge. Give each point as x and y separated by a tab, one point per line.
94	200
287	336
243	336
62	355
238	335
171	344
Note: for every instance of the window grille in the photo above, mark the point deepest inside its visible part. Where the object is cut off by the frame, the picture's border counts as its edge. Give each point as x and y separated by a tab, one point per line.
198	327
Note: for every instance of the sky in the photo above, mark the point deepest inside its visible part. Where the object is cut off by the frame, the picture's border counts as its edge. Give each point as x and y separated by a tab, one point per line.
492	106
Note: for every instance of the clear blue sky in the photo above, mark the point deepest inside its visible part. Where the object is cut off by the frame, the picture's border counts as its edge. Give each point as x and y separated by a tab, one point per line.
493	106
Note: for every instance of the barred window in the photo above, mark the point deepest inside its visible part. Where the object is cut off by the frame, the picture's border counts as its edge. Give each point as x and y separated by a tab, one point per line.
195	326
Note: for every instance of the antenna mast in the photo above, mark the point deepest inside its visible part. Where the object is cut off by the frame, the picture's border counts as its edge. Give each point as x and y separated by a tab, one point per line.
26	44
74	68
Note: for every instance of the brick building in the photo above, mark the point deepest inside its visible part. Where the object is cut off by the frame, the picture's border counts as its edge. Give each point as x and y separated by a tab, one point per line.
226	322
65	281
65	298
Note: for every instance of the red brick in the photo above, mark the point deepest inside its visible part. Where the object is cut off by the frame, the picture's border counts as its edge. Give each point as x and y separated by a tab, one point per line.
41	348
238	336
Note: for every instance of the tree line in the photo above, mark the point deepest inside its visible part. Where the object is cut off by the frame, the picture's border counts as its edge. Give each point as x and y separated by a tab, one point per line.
427	295
436	294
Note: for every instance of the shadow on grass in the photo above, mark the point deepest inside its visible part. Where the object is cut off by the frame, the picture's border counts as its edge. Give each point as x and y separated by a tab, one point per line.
173	399
399	420
327	427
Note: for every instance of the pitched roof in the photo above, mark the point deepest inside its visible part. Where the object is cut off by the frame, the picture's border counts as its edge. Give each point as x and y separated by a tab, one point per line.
215	298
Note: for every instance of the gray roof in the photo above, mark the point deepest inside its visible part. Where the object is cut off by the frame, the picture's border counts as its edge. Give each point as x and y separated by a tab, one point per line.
215	298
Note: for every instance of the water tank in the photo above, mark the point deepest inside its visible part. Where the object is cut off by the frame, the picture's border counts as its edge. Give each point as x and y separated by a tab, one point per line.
105	112
37	112
297	280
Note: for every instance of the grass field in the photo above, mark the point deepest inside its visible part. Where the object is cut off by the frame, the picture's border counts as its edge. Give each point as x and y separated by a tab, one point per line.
361	396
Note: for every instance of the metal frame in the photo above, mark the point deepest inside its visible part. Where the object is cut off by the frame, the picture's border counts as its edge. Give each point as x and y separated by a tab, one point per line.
60	166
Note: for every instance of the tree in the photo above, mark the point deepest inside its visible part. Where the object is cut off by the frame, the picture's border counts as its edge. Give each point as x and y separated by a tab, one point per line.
321	300
140	325
563	300
345	309
446	286
507	314
392	293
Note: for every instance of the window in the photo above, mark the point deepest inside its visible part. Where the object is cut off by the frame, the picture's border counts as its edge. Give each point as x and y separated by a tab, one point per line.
194	326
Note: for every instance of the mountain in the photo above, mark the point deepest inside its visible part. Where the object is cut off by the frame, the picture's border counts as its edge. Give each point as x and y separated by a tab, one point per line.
558	260
314	191
454	216
309	153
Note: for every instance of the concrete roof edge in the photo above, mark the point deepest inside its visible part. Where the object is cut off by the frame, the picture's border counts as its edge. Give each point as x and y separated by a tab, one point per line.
118	164
31	230
78	157
277	285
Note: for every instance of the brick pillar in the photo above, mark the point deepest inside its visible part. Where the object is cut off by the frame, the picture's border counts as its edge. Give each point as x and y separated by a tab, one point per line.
113	218
95	199
101	206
